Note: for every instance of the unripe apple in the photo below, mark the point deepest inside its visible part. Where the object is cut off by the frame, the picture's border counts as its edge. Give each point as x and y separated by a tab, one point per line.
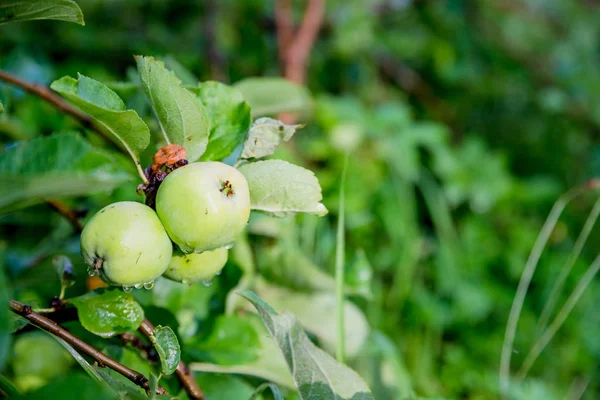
126	243
204	206
196	267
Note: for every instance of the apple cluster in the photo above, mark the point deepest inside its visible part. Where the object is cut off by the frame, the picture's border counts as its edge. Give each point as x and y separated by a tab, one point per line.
200	209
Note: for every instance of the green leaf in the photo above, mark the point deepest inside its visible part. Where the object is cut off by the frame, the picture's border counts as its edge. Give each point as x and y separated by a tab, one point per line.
222	386
270	96
264	137
1	107
107	313
126	128
167	346
64	269
317	314
60	165
229	117
280	189
316	374
274	389
5	320
181	116
232	341
20	10
186	76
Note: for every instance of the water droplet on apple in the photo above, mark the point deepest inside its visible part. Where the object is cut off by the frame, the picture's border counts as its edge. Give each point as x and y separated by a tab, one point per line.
149	285
207	282
185	282
219	272
229	246
138	285
127	288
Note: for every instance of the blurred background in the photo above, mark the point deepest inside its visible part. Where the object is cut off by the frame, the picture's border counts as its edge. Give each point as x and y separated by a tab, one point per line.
464	120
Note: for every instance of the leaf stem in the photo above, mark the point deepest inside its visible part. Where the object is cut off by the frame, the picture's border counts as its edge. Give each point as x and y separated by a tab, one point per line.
183	371
102	359
339	269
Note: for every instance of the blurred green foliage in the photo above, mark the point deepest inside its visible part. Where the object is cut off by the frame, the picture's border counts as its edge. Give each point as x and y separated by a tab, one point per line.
464	121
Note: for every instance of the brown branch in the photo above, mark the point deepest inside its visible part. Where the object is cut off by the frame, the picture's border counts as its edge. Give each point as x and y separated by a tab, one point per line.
49	96
183	372
285	28
102	359
68	213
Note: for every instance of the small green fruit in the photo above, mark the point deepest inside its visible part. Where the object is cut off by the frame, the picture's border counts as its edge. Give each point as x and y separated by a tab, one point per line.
204	206
126	243
196	267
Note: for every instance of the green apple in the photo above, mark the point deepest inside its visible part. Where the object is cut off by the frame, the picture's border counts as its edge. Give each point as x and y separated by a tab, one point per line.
196	267
204	206
126	243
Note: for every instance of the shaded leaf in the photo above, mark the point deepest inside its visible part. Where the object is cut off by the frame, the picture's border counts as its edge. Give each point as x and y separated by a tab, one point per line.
107	313
124	126
20	10
63	164
316	374
265	135
229	117
167	346
181	116
232	341
281	189
64	269
220	386
5	320
271	95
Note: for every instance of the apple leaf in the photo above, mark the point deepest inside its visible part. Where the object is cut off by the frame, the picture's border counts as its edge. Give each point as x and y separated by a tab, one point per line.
229	117
181	116
280	189
60	165
167	346
127	129
64	269
19	10
316	374
110	312
271	95
264	137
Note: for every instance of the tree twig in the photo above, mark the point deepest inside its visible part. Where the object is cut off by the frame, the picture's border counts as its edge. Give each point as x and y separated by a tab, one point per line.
102	359
49	96
183	372
69	214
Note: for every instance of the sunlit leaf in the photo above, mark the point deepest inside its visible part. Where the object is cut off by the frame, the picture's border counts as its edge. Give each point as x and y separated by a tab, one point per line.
181	116
124	126
27	10
108	312
280	189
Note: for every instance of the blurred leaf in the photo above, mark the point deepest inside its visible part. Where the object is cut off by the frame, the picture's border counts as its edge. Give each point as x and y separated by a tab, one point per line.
167	347
265	135
19	10
63	164
316	374
182	117
229	117
123	386
107	313
359	274
317	314
185	75
233	341
8	388
1	107
68	385
280	189
126	128
64	269
5	320
270	96
274	390
27	362
220	386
